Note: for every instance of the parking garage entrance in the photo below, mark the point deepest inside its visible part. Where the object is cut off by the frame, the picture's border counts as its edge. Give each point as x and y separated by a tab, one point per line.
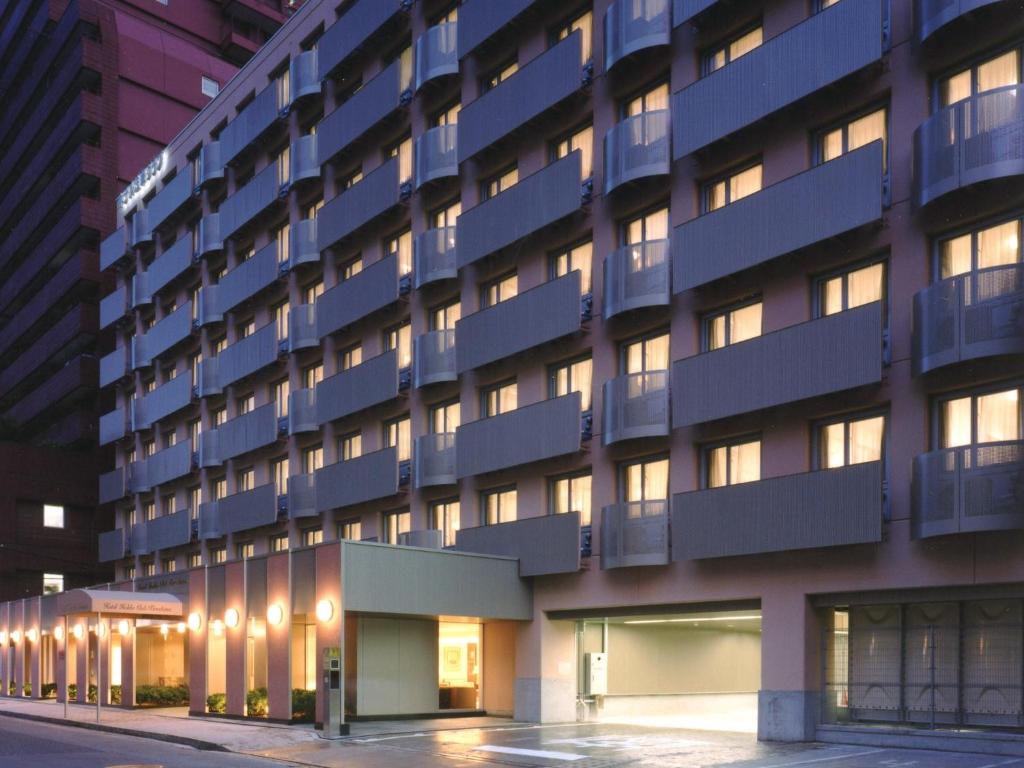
690	669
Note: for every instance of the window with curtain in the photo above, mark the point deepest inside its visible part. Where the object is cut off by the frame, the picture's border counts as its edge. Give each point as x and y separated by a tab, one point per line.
651	99
446	215
403	151
730	50
445	517
350	530
855	133
245	480
395	523
444	317
313	375
350	357
498	75
990	246
279	471
571	493
281	236
499	505
732	463
279	543
195	499
399	337
572	376
401	246
281	318
498	183
246	403
499	398
579	256
448	115
732	325
993	72
646	480
279	394
397	434
312	536
445	418
652	225
851	288
498	290
730	187
245	550
977	418
646	353
852	440
350	446
581	139
584	22
350	269
312	458
312	292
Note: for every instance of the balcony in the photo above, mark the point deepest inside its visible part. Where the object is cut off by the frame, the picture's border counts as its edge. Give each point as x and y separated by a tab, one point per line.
356	27
140	295
969	317
240	512
480	20
969	489
828	508
169	464
637	276
304	75
304	162
211	167
163	336
113	545
363	386
302	412
240	435
169	531
437	53
821	203
541	84
113	485
209	378
114	248
302	244
840	40
932	15
634	25
819	357
537	201
375	195
365	109
635	533
302	496
166	268
366	478
163	401
434	358
550	311
434	457
374	288
543	545
428	539
302	328
208	311
141	232
247	356
114	306
434	256
531	433
113	426
171	197
637	148
210	240
437	155
115	366
636	405
250	277
249	124
977	140
250	201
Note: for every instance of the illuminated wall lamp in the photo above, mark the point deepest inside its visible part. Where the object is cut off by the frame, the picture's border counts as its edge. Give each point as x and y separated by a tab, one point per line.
123	627
275	614
231	618
325	610
195	621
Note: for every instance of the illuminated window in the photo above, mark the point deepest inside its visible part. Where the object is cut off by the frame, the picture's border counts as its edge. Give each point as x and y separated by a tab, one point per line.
444	317
395	523
53	516
645	481
992	246
498	506
571	493
651	99
403	151
444	517
350	530
851	441
195	559
577	257
399	337
279	394
447	116
168	565
573	376
246	403
245	550
854	134
731	187
313	375
498	183
445	418
498	290
53	583
400	245
498	75
732	463
731	326
350	446
499	398
397	434
585	24
995	72
219	555
281	319
312	536
195	500
732	49
582	140
279	543
979	418
279	471
851	288
350	269
245	480
312	458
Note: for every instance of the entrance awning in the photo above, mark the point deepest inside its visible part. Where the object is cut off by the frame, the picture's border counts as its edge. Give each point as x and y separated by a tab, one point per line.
110	603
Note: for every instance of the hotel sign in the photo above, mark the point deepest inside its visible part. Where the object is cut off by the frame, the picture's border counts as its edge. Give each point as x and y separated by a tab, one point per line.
142	183
116	603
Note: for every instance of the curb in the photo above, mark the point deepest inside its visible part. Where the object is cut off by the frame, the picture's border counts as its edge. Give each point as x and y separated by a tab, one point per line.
206	746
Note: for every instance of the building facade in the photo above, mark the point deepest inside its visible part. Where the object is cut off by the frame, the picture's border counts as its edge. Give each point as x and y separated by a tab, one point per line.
91	91
709	314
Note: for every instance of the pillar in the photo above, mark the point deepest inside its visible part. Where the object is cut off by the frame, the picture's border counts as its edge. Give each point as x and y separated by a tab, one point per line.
279	645
197	689
33	616
328	633
5	661
82	660
19	648
128	665
60	661
788	701
103	660
545	686
234	597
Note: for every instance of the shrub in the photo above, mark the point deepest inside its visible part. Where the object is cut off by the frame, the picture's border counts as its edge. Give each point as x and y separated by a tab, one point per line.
115	694
49	690
161	695
10	688
216	703
256	702
27	689
303	705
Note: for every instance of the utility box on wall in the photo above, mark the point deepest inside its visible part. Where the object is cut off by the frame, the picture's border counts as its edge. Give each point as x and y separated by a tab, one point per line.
596	674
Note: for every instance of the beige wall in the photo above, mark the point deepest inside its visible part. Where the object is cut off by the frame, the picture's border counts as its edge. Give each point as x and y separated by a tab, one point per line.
499	665
396	662
160	660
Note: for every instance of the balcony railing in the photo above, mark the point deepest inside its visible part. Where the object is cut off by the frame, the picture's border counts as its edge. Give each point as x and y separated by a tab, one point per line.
482	19
210	239
302	328
434	358
363	386
434	256
113	485
437	53
637	276
366	108
635	533
163	336
243	511
141	232
636	405
209	378
240	435
113	426
932	15
636	148
684	10
302	412
368	477
531	433
113	248
854	35
976	140
304	75
304	161
550	311
249	124
357	206
302	496
171	197
537	201
247	356
114	366
169	464
437	154
112	545
543	545
169	531
819	357
161	402
374	288
211	167
434	457
428	539
302	244
633	25
973	488
208	311
829	508
969	317
253	275
544	82
166	268
250	201
823	202
351	32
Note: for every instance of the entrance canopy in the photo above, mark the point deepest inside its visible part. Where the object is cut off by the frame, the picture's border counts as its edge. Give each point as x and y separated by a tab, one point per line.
110	603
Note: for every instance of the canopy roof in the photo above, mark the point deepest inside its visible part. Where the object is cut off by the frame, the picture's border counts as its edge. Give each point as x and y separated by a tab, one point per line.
111	603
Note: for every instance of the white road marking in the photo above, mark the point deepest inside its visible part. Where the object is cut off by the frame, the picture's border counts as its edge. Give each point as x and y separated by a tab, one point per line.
567	756
815	760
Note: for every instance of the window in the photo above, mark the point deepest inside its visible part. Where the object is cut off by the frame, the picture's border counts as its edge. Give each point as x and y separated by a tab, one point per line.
499	398
246	403
53	583
498	290
245	480
245	550
581	139
572	376
349	180
399	337
449	16
279	543
645	480
281	320
731	187
732	49
646	353
397	435
350	357
312	292
851	441
279	394
995	72
219	488
444	517
350	446
855	133
394	524
283	161
284	87
498	183
984	417
218	555
585	24
195	559
498	75
852	288
170	438
312	458
193	367
447	116
195	499
350	269
279	471
403	151
282	238
167	505
53	516
148	385
643	229
313	375
219	345
651	99
581	257
312	536
993	246
498	506
209	86
401	245
444	317
129	572
149	511
446	216
168	565
350	530
246	328
738	461
220	416
571	493
731	326
149	448
149	569
445	418
195	429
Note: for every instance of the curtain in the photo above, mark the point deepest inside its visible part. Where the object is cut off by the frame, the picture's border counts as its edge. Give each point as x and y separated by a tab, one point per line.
999	245
865	286
832	446
999	416
866	439
745	183
956	422
746	462
745	323
955	256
